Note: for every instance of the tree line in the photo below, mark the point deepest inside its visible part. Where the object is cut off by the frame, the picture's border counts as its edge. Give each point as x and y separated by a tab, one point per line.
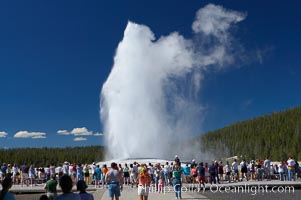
277	135
42	157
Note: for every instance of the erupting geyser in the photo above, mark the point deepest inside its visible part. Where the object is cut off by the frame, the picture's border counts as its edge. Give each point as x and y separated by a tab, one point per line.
149	103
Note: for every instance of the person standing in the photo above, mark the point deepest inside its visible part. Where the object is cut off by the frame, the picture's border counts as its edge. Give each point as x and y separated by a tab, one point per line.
187	173
291	168
82	186
212	172
267	168
59	170
135	171
194	173
244	169
52	169
235	170
258	170
104	171
66	185
50	187
97	176
228	171
15	174
32	175
24	175
144	180
281	170
252	170
201	173
3	170
9	170
5	193
113	178
86	173
166	171
177	173
157	174
79	172
221	172
126	174
216	171
66	168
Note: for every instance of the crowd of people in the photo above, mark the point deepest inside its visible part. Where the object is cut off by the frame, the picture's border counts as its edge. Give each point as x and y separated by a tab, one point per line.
143	176
175	173
31	175
65	183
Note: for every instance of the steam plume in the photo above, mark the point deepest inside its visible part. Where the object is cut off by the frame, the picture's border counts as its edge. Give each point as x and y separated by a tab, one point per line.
149	103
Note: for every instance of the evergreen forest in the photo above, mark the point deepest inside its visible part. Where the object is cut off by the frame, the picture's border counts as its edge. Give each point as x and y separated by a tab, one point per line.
277	135
42	157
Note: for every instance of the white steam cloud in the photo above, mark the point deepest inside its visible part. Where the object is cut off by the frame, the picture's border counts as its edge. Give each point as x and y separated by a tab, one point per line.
149	103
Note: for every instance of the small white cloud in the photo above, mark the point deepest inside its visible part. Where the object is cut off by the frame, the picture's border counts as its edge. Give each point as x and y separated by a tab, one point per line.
79	139
98	134
78	132
39	137
81	131
63	132
26	134
3	134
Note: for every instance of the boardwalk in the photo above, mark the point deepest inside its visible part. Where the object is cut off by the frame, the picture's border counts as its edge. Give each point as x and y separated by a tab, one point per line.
241	190
129	194
245	192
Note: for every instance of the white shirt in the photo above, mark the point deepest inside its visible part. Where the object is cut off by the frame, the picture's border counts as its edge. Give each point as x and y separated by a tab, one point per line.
166	169
280	168
267	163
59	169
93	169
15	170
66	169
228	168
242	164
135	169
291	163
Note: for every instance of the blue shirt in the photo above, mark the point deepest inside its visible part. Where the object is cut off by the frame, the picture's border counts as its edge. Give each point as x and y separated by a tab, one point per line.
201	170
212	169
9	196
187	170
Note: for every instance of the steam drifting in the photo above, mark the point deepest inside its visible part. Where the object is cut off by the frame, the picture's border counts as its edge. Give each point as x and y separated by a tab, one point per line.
149	103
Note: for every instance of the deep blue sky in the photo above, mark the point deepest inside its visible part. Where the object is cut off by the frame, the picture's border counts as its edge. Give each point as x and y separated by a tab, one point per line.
55	56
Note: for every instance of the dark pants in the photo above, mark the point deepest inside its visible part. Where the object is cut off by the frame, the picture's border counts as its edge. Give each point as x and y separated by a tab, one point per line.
177	187
212	178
